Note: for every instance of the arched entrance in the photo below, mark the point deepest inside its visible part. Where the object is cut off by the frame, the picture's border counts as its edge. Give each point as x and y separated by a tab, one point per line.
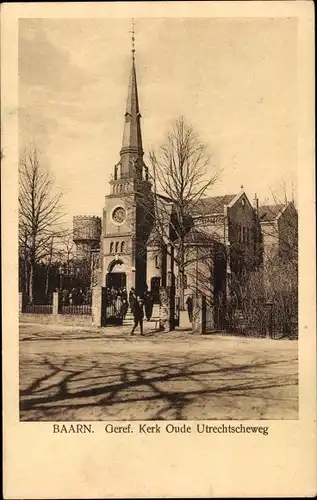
116	276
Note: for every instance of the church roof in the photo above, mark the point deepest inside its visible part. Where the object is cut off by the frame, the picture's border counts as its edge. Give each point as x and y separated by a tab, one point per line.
269	213
197	237
212	205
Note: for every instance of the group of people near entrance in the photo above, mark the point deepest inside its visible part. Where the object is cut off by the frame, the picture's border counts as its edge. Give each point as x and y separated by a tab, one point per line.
139	306
75	297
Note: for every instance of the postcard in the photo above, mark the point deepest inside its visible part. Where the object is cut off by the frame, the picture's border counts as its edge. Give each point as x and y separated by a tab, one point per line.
158	214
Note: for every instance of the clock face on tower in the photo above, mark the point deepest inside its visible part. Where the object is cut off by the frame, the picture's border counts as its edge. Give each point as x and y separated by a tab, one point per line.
118	215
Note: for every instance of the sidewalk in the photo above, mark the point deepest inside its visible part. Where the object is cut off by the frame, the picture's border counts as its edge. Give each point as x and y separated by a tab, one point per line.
37	331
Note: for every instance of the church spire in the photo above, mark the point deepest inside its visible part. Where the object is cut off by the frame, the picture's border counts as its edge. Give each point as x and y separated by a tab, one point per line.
132	151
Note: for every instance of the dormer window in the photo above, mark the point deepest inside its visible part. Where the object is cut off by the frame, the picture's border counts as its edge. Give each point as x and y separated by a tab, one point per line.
243	202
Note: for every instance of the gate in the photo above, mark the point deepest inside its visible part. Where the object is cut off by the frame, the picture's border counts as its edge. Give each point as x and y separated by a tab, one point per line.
111	309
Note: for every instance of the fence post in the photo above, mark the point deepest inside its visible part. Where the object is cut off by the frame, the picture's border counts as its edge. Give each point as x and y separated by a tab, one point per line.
269	330
166	321
199	314
96	305
55	302
21	304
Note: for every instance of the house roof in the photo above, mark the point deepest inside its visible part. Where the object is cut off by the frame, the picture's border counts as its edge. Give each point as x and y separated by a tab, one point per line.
197	237
269	213
212	205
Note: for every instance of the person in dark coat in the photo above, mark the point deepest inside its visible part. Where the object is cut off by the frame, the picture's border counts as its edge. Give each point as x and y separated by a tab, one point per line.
132	299
148	304
124	294
138	315
65	295
189	303
124	309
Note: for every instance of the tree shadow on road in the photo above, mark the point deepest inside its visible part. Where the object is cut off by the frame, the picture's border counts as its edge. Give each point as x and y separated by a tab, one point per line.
164	388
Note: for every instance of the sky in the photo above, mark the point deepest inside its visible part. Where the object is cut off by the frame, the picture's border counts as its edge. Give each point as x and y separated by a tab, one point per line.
233	79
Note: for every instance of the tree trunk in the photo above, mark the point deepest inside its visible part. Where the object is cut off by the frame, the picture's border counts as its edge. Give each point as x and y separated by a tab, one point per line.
181	277
32	268
25	266
31	282
48	269
26	277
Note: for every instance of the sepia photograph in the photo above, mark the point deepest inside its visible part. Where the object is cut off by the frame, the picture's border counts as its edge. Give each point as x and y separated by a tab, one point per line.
158	218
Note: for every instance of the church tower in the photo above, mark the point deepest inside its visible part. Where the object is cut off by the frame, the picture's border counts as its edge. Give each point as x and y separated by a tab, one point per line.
127	212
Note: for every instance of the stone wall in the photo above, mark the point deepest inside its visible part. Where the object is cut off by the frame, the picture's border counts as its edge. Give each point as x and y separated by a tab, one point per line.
96	305
60	319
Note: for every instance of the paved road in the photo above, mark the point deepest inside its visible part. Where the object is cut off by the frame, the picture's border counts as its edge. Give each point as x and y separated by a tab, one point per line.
69	373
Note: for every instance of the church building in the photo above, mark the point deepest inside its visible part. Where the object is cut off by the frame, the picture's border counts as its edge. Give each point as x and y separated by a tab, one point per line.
224	240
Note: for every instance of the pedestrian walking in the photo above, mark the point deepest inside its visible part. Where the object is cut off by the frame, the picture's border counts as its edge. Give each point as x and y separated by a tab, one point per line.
138	315
189	303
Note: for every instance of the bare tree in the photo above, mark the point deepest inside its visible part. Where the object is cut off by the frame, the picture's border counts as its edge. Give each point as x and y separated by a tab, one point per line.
40	215
64	251
276	280
181	178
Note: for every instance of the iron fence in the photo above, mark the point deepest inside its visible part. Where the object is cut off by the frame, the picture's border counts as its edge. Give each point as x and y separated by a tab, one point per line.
39	305
254	320
83	309
38	309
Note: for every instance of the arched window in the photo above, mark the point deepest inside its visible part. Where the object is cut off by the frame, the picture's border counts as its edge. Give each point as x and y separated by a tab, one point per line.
111	247
122	249
117	246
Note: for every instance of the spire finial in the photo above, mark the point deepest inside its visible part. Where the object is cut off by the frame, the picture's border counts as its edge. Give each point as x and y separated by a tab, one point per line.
133	38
